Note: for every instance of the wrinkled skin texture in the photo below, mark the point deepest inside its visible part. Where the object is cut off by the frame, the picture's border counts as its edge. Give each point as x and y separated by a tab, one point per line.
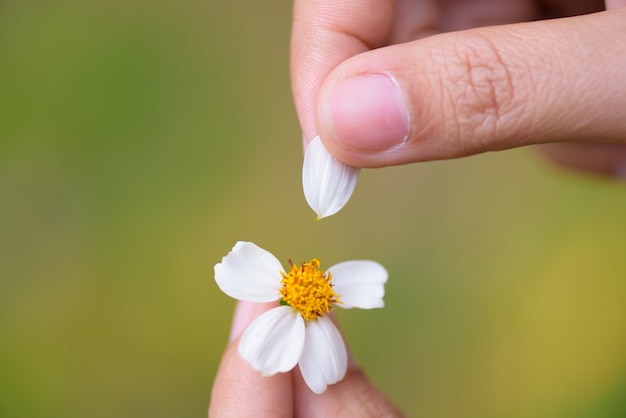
476	79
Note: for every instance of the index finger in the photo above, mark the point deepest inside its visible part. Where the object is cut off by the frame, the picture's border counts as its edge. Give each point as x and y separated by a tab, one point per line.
239	390
324	34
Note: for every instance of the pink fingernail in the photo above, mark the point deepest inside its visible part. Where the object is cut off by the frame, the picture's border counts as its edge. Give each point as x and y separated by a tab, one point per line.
368	112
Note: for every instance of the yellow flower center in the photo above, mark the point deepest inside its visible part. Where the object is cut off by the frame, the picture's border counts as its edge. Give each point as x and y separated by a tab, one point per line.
308	290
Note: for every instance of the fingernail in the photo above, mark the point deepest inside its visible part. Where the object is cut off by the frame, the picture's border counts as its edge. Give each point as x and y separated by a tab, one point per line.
368	113
244	314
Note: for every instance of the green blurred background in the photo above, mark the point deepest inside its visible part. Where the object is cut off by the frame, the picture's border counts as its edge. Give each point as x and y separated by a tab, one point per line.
139	140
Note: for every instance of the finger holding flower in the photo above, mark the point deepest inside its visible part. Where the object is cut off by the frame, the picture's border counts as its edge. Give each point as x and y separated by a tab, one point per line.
298	331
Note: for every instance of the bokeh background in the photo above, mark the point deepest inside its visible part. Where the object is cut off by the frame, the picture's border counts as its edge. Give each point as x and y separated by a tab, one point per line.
140	139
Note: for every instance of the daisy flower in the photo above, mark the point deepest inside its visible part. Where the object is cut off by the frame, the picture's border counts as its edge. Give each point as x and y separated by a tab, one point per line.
298	331
327	182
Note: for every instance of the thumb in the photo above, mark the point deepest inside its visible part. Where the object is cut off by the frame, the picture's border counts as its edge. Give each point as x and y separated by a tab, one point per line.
239	390
480	90
354	396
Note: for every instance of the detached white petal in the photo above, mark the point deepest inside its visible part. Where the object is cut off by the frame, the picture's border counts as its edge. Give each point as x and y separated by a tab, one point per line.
359	283
274	341
324	360
249	273
327	182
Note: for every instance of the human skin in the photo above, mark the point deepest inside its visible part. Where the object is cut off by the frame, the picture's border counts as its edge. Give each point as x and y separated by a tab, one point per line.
386	83
240	391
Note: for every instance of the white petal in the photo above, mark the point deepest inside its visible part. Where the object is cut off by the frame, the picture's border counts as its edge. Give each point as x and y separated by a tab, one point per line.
273	342
359	283
249	273
324	360
328	183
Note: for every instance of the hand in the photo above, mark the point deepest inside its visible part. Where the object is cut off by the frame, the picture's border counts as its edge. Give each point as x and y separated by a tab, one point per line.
372	81
239	391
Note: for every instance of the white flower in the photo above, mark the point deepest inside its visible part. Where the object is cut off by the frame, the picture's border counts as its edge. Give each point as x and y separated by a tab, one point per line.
327	182
297	331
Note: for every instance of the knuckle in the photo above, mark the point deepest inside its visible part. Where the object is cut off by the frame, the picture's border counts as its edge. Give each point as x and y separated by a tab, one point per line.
480	92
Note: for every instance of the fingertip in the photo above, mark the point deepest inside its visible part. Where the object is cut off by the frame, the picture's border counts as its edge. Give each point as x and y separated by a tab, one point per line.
325	34
238	389
241	391
367	113
355	395
245	312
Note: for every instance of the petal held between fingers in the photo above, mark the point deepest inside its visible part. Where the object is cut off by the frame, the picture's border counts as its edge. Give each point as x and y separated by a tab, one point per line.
324	360
359	283
249	273
328	183
274	341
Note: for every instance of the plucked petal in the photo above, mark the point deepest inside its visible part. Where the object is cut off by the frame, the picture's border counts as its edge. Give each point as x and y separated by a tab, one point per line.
249	273
359	283
273	342
324	360
328	183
